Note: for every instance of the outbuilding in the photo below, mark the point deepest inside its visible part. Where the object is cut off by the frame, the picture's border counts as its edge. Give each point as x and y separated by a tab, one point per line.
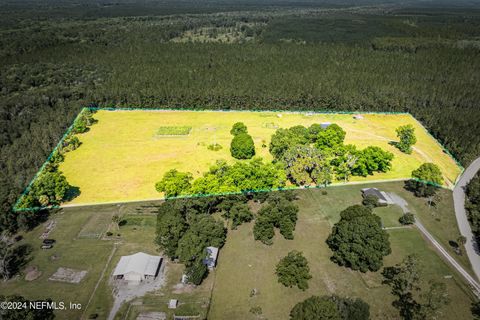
137	267
383	198
211	260
325	125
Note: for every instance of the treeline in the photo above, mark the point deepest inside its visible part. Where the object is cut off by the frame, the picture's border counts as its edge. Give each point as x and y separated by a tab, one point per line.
42	91
473	205
37	105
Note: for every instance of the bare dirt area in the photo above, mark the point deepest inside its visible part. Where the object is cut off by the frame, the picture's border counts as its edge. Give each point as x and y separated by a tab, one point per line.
68	275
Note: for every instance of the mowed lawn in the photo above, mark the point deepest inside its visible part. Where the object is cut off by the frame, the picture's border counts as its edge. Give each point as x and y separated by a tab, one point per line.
245	264
122	157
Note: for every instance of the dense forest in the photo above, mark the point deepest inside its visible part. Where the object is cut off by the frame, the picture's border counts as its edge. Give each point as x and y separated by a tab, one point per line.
58	57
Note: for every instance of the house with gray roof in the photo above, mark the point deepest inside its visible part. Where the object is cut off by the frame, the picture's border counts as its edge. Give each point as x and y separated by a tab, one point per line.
383	197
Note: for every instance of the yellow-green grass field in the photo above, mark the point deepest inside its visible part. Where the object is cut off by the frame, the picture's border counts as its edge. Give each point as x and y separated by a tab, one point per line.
122	157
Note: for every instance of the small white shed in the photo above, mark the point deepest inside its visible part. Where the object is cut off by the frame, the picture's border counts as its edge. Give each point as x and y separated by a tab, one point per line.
211	260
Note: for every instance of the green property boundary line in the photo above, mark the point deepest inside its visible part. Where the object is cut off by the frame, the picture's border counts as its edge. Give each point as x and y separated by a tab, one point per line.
306	112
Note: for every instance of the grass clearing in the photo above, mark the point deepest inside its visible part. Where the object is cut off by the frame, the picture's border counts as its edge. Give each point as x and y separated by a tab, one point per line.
245	264
126	165
68	252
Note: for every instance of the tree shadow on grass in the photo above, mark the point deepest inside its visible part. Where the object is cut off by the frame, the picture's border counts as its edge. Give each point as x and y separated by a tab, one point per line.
72	193
21	257
393	143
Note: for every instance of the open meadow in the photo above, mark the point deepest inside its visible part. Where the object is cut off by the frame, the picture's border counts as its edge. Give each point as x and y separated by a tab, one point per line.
125	153
245	264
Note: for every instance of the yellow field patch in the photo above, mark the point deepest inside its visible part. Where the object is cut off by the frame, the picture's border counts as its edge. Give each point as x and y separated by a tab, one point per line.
122	156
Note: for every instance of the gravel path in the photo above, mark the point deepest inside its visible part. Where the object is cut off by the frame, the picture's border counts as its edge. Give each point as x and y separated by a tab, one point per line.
472	281
459	200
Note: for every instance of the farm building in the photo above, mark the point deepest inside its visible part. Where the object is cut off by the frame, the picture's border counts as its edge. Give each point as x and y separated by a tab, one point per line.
137	267
211	260
325	125
383	198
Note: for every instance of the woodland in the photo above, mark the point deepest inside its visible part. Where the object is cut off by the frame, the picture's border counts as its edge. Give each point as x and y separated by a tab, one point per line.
58	57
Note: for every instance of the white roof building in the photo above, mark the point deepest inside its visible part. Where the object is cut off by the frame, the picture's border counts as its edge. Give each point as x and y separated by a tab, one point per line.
211	260
325	125
137	267
172	304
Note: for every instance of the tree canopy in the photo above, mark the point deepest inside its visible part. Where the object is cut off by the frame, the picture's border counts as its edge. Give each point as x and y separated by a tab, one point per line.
25	313
238	128
279	212
315	308
241	176
358	240
406	134
404	280
305	165
174	183
171	225
330	307
333	136
293	270
473	204
185	228
239	213
50	188
242	146
428	173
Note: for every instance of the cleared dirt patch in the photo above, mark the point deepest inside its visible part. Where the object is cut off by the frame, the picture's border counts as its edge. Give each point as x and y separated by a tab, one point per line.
68	275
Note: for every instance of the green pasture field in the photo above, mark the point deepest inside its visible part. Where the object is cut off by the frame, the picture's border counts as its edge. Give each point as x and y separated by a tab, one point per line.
234	278
122	156
245	264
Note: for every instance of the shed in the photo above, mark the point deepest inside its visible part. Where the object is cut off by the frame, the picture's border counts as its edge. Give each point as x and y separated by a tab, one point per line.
325	125
358	117
137	267
172	304
211	260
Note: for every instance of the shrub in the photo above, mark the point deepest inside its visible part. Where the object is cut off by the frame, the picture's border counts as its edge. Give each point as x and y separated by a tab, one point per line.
407	218
197	272
370	201
214	147
257	310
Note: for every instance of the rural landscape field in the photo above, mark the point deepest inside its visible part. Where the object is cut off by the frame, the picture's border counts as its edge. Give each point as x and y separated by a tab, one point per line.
122	157
239	159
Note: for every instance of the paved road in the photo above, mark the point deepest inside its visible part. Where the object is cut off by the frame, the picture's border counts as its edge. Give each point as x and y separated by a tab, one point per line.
459	200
